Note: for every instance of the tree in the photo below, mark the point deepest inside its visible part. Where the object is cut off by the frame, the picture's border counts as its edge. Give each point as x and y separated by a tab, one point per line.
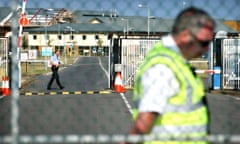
99	42
100	47
24	42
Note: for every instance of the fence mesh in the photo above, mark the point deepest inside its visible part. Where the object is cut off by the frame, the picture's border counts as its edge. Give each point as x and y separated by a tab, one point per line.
86	111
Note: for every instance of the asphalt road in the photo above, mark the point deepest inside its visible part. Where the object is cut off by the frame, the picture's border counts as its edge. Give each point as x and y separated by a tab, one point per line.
94	113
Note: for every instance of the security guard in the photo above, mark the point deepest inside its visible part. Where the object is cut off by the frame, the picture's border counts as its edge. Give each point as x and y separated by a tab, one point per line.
55	63
169	95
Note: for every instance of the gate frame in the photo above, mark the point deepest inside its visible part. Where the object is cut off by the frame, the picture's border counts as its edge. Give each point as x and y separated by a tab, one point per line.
217	58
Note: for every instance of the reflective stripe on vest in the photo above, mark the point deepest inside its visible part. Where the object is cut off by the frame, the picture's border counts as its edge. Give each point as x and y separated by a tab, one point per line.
188	105
175	108
176	130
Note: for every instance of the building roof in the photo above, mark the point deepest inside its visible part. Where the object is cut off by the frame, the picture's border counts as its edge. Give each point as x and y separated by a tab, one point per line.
233	24
135	24
102	13
77	28
107	21
4	12
220	26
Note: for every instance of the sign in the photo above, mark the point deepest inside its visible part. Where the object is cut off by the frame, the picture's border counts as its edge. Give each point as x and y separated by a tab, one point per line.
24	56
94	50
47	51
32	54
23	21
71	45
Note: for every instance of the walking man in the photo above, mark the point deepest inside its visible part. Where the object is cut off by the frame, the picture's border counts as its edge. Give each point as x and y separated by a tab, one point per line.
55	63
170	96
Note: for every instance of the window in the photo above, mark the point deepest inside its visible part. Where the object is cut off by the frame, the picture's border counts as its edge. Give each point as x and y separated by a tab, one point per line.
96	37
34	37
71	37
59	37
34	47
84	37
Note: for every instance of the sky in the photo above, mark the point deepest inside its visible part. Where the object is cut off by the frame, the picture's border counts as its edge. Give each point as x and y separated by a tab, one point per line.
218	9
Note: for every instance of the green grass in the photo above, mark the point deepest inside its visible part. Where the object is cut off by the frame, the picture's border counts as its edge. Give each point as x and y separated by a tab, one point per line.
38	68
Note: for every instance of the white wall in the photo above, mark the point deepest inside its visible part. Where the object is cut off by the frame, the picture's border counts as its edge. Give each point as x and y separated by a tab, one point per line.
78	39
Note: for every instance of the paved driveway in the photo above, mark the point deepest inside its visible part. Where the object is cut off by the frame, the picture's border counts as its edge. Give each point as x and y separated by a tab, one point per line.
95	113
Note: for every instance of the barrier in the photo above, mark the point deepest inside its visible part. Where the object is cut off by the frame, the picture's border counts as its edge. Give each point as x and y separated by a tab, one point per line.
133	53
118	83
5	90
52	93
3	85
230	63
217	78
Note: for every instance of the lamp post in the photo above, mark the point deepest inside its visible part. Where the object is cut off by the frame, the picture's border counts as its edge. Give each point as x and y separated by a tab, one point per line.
71	37
71	29
64	42
46	36
47	42
127	29
46	23
148	16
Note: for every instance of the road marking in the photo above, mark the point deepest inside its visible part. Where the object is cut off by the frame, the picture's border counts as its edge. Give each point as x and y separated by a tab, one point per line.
129	107
105	71
90	92
235	97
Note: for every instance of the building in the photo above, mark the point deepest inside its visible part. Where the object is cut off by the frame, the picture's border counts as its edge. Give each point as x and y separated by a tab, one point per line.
84	31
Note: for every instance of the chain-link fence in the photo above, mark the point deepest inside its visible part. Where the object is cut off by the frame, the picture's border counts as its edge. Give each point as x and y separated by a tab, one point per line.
88	33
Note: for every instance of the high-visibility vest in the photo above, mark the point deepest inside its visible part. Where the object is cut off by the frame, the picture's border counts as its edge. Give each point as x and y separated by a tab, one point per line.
185	113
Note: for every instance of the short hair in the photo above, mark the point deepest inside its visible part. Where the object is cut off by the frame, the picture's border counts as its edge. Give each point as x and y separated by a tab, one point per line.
193	19
56	50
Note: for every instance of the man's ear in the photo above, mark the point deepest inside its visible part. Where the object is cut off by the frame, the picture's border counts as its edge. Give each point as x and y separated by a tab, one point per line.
186	37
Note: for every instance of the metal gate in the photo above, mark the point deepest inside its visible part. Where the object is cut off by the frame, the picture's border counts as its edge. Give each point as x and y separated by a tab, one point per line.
230	63
133	53
4	57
